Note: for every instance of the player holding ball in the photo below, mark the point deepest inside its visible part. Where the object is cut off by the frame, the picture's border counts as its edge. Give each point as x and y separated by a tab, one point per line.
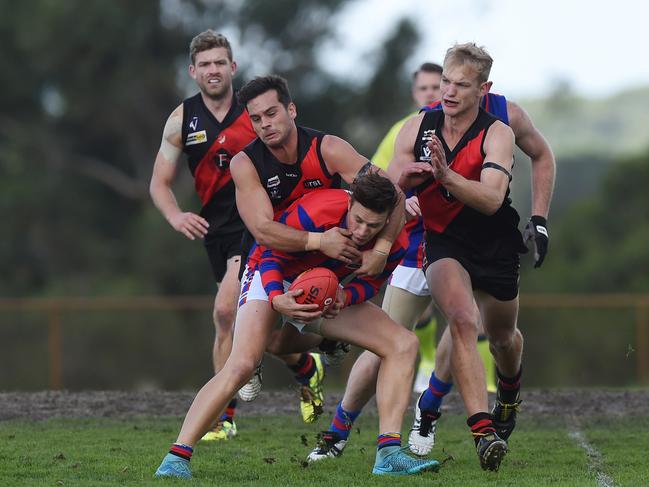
351	318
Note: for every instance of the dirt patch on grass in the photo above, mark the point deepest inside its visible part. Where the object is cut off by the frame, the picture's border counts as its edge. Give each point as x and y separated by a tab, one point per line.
118	404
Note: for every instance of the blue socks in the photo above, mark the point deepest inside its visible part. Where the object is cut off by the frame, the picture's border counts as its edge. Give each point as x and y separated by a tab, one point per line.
388	441
432	398
343	421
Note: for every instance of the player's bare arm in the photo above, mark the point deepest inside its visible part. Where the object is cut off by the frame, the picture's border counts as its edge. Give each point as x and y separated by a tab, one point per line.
256	212
488	194
343	159
403	168
402	157
164	172
532	142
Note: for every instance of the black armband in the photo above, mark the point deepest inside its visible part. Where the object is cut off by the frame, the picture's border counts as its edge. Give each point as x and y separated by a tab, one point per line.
493	165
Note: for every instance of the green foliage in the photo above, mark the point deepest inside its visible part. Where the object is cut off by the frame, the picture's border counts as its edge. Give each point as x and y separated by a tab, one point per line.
86	90
605	127
601	244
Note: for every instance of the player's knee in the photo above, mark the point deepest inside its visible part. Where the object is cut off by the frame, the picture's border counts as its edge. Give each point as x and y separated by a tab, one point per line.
240	371
504	339
407	344
463	325
223	316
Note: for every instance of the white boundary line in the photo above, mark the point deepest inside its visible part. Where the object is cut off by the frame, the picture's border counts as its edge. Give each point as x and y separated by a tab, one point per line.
594	458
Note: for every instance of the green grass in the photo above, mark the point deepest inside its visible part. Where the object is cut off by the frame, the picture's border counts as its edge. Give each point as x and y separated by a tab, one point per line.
270	451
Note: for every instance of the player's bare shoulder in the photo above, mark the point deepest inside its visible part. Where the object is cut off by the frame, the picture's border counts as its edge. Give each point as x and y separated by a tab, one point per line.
174	126
408	134
171	144
340	157
242	169
519	120
500	131
333	146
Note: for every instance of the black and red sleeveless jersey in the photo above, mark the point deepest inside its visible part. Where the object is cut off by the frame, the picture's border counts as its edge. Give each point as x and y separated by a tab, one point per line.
209	145
285	183
449	219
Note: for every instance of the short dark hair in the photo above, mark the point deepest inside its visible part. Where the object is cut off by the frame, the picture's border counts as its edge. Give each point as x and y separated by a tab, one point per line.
428	68
207	40
261	85
374	192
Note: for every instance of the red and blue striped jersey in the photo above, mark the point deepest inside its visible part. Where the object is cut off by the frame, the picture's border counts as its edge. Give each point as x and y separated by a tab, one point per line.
415	252
319	211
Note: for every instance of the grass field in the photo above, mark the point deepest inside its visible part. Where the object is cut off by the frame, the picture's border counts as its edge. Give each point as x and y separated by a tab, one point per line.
271	451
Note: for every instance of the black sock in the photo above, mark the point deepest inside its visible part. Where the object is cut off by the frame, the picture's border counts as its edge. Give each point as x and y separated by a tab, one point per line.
304	368
509	387
481	425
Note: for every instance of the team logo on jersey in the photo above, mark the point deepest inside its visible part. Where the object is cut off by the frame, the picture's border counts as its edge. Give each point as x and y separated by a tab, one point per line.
312	183
426	137
194	123
222	159
425	153
196	138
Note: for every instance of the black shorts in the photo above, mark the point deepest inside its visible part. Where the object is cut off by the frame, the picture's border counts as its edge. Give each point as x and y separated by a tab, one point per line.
220	249
247	241
498	276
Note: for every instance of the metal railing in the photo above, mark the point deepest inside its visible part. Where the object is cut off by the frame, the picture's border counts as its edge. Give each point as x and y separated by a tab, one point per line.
55	308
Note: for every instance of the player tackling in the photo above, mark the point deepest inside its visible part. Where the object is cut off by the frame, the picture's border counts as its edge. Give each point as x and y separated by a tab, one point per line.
351	319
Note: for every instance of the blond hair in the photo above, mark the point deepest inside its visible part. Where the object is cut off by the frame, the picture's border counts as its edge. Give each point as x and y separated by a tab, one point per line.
207	40
470	53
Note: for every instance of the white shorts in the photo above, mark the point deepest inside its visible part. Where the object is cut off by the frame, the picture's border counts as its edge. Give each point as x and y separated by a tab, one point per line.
411	279
252	289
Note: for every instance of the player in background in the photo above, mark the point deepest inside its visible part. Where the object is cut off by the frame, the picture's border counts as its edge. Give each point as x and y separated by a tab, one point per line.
210	128
363	215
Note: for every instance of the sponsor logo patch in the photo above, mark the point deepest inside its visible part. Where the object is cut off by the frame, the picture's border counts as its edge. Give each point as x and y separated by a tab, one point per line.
273	182
273	186
312	183
196	138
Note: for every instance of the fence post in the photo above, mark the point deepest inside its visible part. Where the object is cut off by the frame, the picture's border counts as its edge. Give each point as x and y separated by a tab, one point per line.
54	343
642	343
